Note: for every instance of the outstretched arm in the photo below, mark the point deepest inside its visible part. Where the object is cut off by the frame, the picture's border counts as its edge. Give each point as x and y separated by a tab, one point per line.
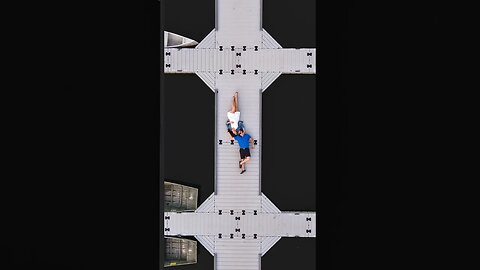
232	135
252	142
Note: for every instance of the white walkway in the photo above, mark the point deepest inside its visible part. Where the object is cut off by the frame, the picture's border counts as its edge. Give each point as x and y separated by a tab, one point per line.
238	224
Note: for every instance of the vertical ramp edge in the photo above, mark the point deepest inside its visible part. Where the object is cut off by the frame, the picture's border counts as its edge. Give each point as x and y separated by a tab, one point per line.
272	43
207	79
208	42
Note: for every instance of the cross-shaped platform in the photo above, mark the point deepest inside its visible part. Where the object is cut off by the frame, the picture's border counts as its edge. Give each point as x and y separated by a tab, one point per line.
238	224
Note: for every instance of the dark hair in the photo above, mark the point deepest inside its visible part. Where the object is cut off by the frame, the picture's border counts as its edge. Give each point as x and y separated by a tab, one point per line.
241	129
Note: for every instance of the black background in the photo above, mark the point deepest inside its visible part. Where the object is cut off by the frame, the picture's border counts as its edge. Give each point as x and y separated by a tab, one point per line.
80	188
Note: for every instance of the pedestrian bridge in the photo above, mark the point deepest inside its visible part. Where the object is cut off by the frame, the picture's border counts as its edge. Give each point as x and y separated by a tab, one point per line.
238	224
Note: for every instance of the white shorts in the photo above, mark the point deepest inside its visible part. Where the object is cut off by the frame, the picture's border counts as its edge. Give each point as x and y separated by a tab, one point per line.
233	118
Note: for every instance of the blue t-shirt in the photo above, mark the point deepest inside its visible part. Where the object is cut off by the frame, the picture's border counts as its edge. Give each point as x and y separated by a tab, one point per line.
243	140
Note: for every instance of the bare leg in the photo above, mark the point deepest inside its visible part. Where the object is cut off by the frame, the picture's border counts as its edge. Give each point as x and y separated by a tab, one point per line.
235	99
245	161
242	164
233	105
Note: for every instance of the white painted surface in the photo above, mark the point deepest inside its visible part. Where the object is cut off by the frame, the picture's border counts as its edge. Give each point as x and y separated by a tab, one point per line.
239	23
257	60
284	224
283	60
